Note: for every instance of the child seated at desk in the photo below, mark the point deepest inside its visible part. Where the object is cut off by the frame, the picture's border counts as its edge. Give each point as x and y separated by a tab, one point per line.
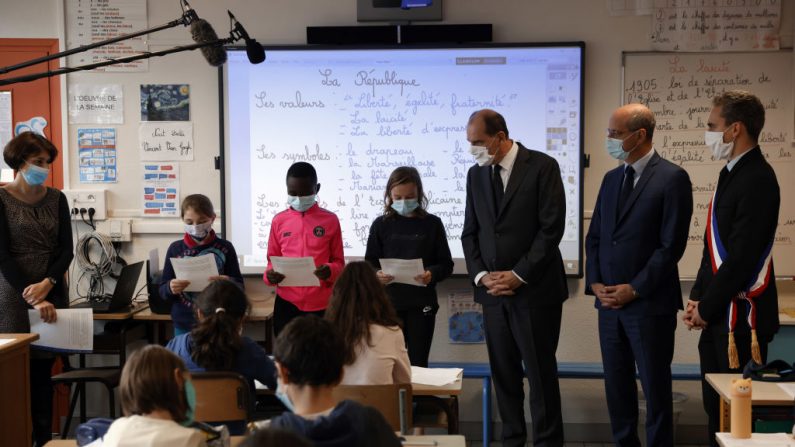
375	350
309	365
200	239
217	343
158	401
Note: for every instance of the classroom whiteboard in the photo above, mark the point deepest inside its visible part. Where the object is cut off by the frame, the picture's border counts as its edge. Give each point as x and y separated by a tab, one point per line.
679	87
356	114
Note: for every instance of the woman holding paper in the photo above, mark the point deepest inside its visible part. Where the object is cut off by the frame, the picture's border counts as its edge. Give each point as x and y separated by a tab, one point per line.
35	252
406	231
200	239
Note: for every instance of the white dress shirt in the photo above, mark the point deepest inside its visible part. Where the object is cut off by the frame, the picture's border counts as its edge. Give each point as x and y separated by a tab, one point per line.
639	166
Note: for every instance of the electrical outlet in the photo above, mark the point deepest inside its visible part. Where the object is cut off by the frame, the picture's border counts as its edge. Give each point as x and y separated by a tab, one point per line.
119	230
87	199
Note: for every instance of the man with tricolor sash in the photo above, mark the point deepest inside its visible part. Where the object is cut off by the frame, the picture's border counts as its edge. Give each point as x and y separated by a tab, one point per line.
734	299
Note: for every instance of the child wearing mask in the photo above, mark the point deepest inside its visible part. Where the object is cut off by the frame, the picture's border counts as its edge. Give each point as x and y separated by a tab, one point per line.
158	401
200	239
304	229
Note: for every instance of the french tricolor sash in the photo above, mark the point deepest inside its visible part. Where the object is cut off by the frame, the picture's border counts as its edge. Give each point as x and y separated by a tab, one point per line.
755	287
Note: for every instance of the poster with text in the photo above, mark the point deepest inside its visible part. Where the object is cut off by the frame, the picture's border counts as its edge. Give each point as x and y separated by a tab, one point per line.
96	104
166	141
6	133
465	318
161	190
165	102
97	150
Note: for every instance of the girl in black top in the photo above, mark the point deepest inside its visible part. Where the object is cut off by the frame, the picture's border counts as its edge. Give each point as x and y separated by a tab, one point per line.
407	231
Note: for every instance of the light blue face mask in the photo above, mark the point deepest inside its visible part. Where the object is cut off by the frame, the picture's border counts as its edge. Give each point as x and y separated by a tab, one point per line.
35	175
615	148
405	207
283	397
190	400
301	203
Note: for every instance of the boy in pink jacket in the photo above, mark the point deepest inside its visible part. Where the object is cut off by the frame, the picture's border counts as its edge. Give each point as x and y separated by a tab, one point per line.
304	229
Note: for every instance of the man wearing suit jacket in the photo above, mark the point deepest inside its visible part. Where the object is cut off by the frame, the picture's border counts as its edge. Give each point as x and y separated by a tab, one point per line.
736	273
514	220
637	235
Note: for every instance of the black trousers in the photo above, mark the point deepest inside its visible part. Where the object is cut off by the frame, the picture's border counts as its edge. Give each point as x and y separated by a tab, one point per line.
418	326
41	392
284	311
517	334
713	352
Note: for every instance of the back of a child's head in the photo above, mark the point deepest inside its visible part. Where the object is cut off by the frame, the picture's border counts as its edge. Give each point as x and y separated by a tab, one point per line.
216	337
357	301
275	437
302	170
149	383
199	203
310	349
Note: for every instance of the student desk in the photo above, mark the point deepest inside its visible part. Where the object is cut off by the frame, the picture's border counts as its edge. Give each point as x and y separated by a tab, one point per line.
440	440
236	440
261	310
447	400
15	388
757	440
763	394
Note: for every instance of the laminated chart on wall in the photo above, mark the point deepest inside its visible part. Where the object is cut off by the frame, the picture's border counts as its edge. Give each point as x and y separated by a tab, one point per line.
465	318
161	190
97	154
96	104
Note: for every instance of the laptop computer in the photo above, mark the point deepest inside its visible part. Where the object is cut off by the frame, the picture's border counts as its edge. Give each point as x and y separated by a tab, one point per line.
122	294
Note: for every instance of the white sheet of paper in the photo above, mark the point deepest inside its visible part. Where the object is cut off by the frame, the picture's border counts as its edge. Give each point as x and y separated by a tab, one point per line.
297	271
789	388
72	332
404	270
196	269
435	376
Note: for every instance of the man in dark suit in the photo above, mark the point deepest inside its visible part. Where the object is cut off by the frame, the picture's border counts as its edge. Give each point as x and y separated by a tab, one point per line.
736	273
637	235
514	220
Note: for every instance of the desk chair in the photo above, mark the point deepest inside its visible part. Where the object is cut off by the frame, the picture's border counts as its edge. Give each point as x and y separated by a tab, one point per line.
392	401
222	397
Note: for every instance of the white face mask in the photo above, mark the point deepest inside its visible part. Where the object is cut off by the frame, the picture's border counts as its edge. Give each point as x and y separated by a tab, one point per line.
199	231
720	150
481	154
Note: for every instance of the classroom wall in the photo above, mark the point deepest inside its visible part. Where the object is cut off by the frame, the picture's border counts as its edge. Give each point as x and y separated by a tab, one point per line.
284	22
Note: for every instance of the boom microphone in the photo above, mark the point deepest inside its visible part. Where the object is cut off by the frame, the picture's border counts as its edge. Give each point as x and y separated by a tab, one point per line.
254	50
203	32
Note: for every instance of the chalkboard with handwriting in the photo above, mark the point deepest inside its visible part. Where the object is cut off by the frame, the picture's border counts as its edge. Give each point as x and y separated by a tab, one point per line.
679	87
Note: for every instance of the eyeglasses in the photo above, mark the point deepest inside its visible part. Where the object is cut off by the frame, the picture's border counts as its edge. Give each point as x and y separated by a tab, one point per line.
612	133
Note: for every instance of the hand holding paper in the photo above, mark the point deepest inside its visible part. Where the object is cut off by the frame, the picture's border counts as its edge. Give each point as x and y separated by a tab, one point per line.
198	270
73	332
404	271
298	272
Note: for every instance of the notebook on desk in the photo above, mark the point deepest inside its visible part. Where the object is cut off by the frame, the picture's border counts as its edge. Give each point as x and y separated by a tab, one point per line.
122	294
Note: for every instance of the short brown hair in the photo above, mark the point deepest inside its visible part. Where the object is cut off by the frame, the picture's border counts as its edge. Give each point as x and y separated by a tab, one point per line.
26	145
402	176
200	203
310	348
493	122
742	106
148	383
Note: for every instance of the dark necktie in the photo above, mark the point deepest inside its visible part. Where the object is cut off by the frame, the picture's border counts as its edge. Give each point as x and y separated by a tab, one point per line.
497	186
722	177
626	188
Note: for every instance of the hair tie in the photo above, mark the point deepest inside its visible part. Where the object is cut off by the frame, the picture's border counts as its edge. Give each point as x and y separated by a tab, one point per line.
218	310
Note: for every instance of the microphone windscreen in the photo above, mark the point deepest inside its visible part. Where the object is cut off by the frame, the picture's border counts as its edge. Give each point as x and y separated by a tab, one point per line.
255	52
202	32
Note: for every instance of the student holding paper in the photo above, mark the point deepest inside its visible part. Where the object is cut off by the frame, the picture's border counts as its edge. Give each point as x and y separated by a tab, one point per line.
304	229
35	252
198	215
407	231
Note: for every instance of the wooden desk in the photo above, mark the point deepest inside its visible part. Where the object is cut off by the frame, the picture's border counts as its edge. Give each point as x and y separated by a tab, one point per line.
763	394
124	314
757	440
15	388
441	440
452	389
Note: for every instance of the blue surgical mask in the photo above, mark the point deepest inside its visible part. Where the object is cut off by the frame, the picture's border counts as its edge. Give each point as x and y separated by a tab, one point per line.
35	175
405	207
615	147
190	401
301	203
283	397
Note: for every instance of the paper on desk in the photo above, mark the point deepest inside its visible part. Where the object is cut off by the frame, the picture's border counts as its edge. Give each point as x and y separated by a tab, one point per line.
197	270
73	331
435	376
789	388
297	271
404	270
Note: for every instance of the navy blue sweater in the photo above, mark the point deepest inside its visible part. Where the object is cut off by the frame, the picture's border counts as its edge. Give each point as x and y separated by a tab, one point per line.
225	258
